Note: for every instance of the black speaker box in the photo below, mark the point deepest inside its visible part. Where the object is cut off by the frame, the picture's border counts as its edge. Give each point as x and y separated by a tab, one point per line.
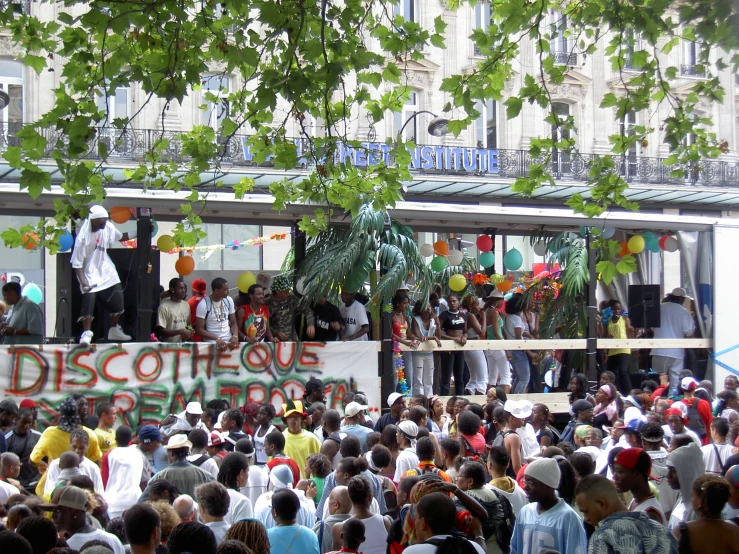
140	283
644	301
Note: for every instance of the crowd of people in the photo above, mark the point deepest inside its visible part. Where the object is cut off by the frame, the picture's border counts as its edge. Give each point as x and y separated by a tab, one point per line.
643	473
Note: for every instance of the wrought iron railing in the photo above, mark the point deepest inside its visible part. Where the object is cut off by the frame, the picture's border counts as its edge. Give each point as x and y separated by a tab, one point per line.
19	6
132	145
564	58
690	70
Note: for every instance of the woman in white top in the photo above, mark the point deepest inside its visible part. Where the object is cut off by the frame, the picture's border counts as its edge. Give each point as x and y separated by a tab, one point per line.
265	414
407	431
233	475
475	359
514	329
437	417
425	326
376	527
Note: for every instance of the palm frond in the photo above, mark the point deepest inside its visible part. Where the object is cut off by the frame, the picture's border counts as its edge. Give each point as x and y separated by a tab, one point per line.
393	262
575	275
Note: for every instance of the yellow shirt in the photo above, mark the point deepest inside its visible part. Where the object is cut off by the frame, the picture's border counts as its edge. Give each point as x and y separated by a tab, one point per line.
299	447
54	442
106	440
617	330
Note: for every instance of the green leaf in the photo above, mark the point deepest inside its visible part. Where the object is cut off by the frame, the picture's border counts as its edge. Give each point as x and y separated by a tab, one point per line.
38	63
627	264
513	106
13	156
34	179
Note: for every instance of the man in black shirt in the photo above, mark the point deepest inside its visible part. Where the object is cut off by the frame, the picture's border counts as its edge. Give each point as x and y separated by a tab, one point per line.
328	321
20	441
396	401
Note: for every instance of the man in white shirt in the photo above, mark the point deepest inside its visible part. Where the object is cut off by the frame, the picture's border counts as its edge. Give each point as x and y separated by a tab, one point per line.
69	507
355	318
214	501
677	420
675	323
436	518
97	274
215	317
716	454
173	314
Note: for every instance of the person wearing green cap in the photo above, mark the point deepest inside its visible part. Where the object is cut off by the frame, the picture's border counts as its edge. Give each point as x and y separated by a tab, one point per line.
284	308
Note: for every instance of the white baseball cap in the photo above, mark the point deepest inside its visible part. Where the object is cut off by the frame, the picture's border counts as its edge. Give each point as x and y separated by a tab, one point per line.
679	291
520	409
392	398
353	408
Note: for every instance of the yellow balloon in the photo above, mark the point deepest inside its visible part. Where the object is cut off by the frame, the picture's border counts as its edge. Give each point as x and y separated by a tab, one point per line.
165	243
457	282
245	280
636	244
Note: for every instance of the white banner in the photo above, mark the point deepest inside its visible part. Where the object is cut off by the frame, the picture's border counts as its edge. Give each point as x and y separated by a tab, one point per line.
147	381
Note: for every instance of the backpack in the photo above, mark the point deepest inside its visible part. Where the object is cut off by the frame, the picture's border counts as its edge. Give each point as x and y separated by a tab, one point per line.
500	520
453	544
695	422
569	432
419	472
201	460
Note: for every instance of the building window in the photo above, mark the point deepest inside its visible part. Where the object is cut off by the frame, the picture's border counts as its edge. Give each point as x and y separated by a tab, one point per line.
118	105
560	160
691	66
409	109
215	111
11	81
630	45
486	126
483	16
407	9
626	129
560	44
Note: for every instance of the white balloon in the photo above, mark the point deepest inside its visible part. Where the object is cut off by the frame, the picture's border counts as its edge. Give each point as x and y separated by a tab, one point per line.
426	250
455	257
671	244
540	248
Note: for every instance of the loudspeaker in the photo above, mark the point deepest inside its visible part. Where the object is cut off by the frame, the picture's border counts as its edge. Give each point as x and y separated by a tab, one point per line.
140	283
644	301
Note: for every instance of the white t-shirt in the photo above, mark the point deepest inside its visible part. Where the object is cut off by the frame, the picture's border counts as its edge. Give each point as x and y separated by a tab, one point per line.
217	321
676	323
239	508
686	431
78	540
91	254
710	458
6	491
405	461
517	498
354	317
256	485
431	549
512	322
86	468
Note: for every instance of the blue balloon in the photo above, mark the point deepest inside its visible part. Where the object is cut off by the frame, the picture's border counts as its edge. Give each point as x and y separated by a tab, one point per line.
66	241
155	227
33	293
653	245
608	232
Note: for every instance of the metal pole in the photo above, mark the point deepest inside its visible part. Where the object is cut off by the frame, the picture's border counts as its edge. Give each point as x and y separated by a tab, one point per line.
147	289
591	346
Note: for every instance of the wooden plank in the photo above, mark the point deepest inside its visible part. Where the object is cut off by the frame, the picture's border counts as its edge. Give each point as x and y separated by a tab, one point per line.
557	402
559	344
655	343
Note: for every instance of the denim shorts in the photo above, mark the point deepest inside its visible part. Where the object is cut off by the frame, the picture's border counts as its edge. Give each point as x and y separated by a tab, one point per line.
112	299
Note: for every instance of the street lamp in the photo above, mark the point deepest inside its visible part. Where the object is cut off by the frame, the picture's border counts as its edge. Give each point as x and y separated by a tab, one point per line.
438	127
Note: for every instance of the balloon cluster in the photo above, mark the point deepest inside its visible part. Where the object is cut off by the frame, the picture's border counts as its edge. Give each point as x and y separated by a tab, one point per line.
648	241
443	256
233	245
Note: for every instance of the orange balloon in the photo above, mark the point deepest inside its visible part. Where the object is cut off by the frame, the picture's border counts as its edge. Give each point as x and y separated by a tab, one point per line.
624	249
30	241
185	265
504	286
120	214
441	248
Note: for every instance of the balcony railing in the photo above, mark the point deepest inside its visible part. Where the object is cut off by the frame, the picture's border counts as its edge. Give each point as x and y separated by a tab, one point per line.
19	6
564	58
132	146
688	70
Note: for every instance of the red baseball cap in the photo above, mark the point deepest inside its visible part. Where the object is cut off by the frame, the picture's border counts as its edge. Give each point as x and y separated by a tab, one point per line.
198	285
635	459
28	403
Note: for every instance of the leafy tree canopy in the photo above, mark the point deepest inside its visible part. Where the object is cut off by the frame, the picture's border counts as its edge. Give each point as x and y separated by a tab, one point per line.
321	58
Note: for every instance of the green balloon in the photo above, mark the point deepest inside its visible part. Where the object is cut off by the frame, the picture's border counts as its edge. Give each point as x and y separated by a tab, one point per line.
487	259
513	260
439	263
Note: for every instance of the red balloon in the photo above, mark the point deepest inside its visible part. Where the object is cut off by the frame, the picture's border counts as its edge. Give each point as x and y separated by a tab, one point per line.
662	240
184	265
624	249
484	243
